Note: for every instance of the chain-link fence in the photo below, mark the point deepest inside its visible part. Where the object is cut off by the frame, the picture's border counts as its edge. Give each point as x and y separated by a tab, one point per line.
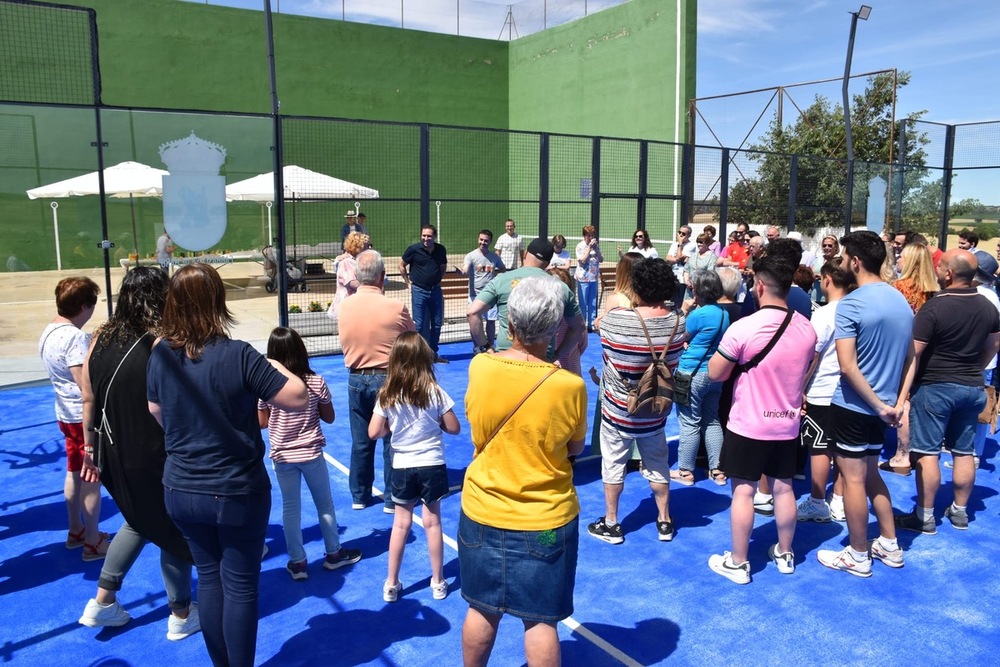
402	176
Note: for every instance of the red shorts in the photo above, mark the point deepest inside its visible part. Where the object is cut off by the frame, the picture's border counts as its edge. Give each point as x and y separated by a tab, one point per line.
74	445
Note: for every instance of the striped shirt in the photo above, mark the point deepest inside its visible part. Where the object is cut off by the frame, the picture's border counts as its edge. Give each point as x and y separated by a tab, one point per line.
626	355
296	437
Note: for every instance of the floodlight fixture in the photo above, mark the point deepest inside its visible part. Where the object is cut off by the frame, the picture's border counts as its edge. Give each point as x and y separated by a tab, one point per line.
864	12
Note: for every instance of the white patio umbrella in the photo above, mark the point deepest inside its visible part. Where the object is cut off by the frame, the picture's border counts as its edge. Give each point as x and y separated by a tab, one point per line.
299	183
125	179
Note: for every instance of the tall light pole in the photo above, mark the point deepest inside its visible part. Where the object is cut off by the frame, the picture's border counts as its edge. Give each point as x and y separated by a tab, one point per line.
862	14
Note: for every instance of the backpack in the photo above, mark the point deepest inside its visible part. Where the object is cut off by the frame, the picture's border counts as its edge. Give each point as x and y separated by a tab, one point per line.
653	394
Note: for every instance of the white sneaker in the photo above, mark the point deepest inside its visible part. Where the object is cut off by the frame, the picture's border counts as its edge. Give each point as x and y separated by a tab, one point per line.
950	464
178	628
809	510
843	560
891	558
439	590
724	565
390	593
762	504
96	615
784	561
837	510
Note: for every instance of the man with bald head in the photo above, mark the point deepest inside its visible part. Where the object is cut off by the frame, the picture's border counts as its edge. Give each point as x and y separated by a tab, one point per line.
955	335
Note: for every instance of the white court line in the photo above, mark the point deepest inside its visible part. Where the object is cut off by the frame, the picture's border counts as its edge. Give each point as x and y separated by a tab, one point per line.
569	622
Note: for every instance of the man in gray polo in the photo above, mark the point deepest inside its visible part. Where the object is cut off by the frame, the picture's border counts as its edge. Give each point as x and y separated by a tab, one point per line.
481	265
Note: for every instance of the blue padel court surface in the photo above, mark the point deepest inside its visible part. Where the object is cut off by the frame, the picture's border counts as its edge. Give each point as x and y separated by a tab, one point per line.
644	602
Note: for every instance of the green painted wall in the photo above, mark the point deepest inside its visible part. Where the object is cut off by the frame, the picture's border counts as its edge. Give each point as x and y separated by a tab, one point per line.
170	54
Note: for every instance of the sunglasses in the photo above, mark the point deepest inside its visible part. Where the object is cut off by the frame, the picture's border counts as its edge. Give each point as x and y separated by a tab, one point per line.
828	245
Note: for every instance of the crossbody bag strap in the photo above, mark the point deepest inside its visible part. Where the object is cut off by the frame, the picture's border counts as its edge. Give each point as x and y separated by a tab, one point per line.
519	404
104	427
774	341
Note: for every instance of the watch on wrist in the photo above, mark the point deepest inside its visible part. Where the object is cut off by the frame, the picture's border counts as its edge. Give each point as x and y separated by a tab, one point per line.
482	348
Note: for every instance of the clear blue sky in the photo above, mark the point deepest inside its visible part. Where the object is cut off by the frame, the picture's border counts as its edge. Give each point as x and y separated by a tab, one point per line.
951	49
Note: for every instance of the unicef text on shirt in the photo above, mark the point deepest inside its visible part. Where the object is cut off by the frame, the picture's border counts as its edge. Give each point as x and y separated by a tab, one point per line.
781	414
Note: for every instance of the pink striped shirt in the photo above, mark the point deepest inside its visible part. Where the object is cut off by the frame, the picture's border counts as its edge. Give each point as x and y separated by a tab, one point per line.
296	437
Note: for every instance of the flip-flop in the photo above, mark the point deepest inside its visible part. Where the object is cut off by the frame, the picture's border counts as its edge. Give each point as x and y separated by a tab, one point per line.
899	470
682	477
718	477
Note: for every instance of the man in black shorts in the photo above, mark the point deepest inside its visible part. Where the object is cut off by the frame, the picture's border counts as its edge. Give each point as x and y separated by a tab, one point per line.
824	375
872	332
772	348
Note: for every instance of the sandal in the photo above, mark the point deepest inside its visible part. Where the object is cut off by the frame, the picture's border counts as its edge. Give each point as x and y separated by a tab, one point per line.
97	551
899	470
682	477
74	540
718	476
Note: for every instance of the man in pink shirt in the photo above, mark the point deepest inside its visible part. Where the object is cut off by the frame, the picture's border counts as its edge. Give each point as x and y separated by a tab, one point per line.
771	350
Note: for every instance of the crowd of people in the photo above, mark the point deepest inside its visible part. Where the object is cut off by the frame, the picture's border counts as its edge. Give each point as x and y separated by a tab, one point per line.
166	411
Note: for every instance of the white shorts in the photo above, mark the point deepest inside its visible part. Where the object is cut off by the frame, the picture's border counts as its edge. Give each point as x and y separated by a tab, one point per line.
615	452
491	315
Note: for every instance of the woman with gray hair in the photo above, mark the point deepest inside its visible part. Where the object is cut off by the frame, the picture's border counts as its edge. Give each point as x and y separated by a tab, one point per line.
518	530
706	321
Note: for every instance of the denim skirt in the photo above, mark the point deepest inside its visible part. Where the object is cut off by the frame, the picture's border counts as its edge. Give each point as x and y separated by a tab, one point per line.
529	574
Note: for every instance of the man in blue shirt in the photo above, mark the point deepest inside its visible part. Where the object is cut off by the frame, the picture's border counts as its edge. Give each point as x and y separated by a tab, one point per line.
872	330
422	266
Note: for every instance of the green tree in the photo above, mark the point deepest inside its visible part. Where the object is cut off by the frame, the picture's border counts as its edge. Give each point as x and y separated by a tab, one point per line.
817	137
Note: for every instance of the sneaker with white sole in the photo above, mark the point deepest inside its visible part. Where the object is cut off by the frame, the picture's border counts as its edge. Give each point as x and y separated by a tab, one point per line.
439	589
341	558
390	592
843	560
763	505
809	510
892	558
96	615
959	518
724	565
180	628
297	570
950	465
665	530
784	561
602	531
837	512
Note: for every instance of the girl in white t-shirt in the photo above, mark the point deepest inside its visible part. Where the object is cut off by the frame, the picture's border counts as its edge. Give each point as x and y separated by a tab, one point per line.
415	410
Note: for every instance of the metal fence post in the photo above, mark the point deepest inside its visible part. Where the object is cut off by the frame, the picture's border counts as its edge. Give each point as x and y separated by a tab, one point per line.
724	196
793	191
640	209
425	175
543	185
949	163
595	185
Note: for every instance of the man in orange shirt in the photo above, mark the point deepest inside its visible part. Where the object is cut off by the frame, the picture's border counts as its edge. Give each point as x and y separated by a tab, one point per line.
369	324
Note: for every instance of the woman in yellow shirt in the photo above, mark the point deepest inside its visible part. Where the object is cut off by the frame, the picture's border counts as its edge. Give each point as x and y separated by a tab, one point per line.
518	532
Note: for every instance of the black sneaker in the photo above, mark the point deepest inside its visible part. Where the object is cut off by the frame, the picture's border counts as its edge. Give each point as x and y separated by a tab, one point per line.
341	558
913	522
666	531
602	531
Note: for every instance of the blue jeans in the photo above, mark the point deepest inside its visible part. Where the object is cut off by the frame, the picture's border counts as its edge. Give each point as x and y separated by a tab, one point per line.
428	313
226	537
122	554
945	412
290	476
362	394
700	417
587	293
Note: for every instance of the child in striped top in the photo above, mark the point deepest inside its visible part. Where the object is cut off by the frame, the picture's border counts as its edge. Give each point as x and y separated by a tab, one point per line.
297	443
